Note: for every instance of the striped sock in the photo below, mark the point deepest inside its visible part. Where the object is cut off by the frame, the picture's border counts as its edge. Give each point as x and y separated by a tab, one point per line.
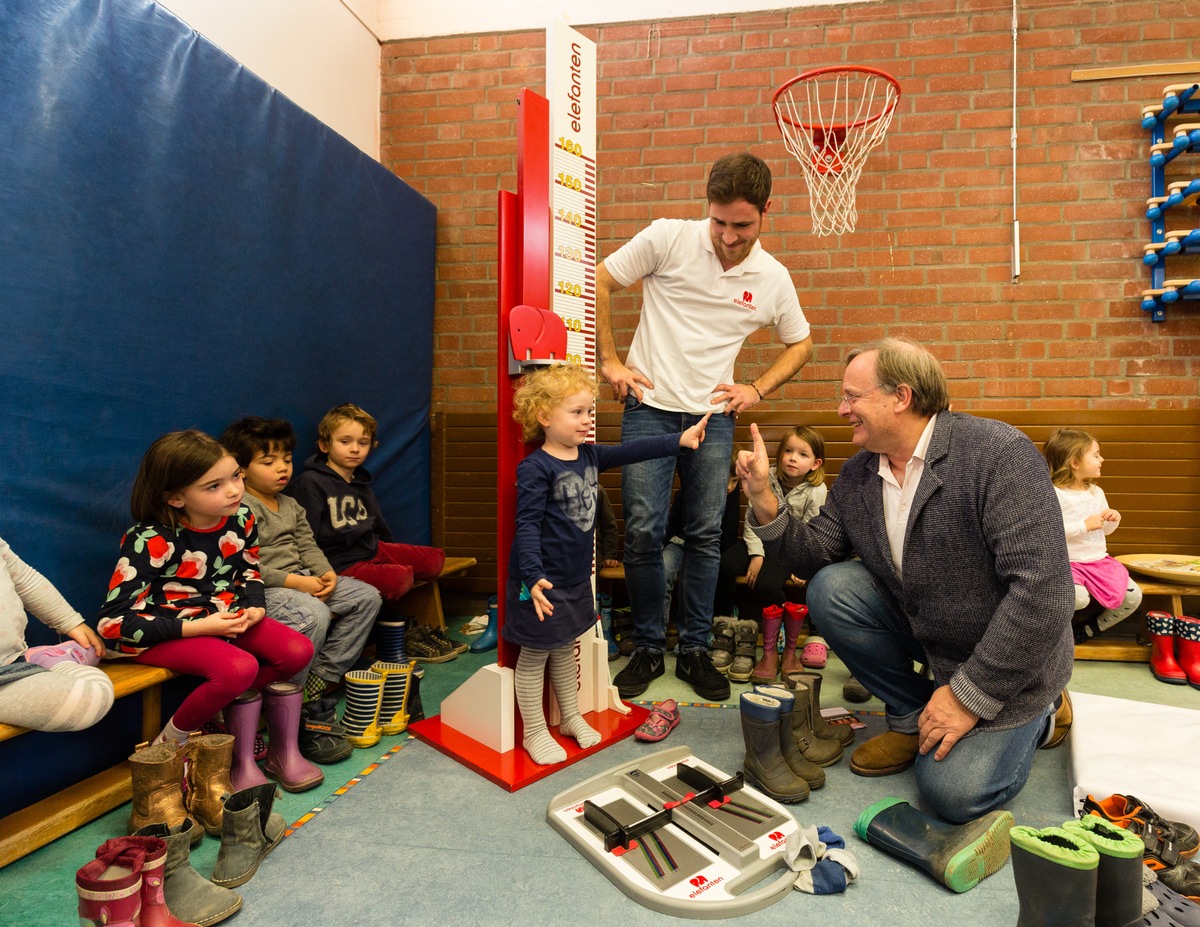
530	679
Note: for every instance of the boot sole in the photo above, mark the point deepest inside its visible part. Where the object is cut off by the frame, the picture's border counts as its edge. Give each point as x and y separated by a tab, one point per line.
986	854
1170	680
879	773
783	799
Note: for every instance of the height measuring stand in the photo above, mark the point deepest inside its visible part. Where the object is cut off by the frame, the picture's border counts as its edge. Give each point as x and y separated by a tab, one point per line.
546	312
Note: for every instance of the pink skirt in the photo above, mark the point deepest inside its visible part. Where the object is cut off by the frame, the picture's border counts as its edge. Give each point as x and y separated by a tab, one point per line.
1106	580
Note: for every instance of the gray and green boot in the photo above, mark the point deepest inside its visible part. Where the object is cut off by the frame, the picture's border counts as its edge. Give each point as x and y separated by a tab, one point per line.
1055	871
959	856
1119	875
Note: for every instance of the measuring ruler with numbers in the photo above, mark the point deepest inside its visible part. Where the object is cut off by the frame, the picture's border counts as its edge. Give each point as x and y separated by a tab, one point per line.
571	91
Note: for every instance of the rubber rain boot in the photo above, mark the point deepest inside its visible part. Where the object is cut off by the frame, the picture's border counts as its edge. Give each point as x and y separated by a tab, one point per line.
842	733
604	610
110	886
1119	874
157	774
764	764
823	751
794	616
767	669
284	763
393	708
389	640
250	832
1162	654
191	897
1055	872
208	779
811	773
490	638
241	720
1187	648
364	696
959	856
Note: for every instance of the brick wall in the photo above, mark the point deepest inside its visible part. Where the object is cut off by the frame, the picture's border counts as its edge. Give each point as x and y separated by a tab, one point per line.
931	255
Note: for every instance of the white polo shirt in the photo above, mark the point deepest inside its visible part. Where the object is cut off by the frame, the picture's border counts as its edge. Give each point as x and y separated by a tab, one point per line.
897	499
695	315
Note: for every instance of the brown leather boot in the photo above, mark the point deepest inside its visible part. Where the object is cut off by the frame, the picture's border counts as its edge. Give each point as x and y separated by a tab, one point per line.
885	755
212	755
158	787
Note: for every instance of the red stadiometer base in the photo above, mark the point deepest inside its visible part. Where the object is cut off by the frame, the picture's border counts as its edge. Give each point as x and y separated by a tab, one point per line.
514	770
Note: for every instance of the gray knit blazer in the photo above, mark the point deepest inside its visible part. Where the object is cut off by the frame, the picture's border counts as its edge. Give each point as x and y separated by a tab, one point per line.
987	585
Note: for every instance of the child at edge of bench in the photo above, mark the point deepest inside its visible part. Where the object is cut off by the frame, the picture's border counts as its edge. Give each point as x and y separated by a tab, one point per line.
302	589
51	688
336	492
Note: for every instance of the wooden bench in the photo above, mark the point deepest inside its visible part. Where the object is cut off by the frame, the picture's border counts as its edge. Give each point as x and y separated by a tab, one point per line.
26	830
1136	648
1151	476
424	601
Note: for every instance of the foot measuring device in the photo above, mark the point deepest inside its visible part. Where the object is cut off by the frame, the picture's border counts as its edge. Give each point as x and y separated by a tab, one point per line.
679	836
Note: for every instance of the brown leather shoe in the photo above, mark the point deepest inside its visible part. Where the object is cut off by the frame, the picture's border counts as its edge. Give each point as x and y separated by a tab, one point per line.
1062	722
885	755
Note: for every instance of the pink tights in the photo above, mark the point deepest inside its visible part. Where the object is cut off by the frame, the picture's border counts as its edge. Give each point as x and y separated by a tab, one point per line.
268	652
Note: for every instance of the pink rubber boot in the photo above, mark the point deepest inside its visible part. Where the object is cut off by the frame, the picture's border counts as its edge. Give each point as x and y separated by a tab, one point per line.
241	720
768	667
284	762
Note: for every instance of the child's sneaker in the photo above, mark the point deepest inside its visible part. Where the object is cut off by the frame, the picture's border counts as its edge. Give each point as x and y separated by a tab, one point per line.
424	648
446	642
659	723
1131	812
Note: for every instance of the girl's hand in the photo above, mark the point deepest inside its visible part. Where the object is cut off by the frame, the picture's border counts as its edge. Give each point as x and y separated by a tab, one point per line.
219	624
253	615
752	571
86	637
1094	522
541	604
1110	515
694	436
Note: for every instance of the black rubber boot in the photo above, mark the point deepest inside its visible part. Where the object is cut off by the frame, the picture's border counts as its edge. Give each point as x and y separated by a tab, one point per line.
1119	875
957	855
1055	871
764	764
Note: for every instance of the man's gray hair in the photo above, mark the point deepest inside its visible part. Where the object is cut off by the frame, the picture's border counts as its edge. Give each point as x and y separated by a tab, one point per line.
900	360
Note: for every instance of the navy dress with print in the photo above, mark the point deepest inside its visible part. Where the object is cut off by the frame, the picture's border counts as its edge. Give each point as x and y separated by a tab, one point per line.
557	506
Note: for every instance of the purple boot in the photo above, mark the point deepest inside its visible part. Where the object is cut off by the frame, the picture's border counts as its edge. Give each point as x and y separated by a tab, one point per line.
241	720
284	762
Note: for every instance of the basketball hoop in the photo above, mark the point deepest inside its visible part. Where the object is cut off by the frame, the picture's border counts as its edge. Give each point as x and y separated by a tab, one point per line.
831	118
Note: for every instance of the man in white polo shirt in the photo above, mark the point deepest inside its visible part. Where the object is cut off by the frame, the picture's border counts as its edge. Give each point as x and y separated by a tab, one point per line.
706	286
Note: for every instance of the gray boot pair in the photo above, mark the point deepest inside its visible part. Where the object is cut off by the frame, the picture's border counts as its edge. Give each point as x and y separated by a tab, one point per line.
190	897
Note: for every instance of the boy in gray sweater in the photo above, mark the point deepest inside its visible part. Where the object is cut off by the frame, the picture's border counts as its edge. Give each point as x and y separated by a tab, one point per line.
335	612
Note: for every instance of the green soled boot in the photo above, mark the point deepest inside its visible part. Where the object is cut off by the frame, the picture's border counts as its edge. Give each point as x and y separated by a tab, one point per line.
1119	875
189	896
1055	871
957	855
249	832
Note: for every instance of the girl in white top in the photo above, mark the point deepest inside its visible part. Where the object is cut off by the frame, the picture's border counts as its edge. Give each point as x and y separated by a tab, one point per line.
1074	460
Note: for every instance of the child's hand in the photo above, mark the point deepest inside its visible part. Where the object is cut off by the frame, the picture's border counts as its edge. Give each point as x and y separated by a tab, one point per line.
694	436
218	624
310	585
253	615
752	571
1110	515
328	583
611	564
1094	522
86	637
540	603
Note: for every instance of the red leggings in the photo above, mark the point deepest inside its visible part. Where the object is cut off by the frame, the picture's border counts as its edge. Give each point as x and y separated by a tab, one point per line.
395	567
268	652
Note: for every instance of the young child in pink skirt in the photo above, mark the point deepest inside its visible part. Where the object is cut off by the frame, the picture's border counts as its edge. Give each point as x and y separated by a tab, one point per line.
1074	460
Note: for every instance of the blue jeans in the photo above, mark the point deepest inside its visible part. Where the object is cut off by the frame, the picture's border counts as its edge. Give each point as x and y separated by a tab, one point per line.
646	497
672	555
983	770
338	627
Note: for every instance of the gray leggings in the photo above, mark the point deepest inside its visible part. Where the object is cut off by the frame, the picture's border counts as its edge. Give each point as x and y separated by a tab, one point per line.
69	697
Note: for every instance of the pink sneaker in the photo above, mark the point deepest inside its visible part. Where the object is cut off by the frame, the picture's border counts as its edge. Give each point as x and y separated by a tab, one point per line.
815	654
68	651
661	721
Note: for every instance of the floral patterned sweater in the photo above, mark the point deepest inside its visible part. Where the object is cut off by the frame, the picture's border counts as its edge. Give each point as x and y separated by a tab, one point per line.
167	576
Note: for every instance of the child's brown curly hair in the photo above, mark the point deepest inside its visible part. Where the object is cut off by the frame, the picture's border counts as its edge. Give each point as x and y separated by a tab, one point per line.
543	389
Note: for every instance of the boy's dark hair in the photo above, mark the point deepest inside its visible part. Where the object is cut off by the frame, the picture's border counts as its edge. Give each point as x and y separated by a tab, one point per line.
254	434
740	177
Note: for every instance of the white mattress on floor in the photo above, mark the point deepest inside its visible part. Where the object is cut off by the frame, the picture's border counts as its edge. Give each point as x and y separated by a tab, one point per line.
1136	748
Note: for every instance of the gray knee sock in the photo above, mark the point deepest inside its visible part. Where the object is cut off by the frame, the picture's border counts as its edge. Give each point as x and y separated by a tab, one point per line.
565	681
530	680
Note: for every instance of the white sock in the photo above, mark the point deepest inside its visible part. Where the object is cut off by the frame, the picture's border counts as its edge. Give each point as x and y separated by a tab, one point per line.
530	680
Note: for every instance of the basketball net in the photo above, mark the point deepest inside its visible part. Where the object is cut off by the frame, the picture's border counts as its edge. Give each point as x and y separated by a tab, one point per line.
831	118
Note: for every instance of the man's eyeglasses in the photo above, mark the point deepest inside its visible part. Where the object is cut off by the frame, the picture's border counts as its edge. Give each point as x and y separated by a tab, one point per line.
851	398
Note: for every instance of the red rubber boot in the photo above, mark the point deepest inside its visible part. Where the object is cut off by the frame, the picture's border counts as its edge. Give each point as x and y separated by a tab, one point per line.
1187	648
767	669
794	616
1162	655
110	886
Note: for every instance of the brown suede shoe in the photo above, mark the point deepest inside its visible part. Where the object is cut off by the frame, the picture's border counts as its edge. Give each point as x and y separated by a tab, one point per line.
1062	722
885	755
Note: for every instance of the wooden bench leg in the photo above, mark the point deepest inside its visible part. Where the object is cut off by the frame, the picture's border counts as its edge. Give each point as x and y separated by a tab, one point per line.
424	604
152	722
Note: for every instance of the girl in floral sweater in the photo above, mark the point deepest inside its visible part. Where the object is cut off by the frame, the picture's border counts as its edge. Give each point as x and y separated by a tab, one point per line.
186	592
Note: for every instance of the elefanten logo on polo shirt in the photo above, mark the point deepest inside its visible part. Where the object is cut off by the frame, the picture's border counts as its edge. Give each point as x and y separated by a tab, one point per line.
746	302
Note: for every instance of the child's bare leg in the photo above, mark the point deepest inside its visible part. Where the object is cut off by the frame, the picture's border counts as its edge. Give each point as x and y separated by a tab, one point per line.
563	678
530	675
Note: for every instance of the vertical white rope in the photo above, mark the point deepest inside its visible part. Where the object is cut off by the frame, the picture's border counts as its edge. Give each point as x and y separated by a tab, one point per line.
1016	241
